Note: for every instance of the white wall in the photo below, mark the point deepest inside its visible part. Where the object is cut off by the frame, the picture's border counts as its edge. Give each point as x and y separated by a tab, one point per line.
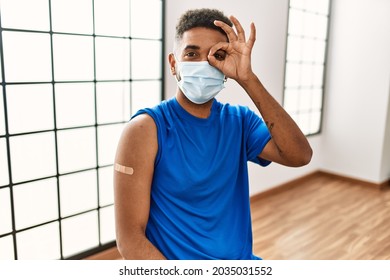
353	139
357	94
270	18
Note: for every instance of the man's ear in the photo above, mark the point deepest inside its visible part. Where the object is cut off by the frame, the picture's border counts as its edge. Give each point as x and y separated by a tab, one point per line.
172	63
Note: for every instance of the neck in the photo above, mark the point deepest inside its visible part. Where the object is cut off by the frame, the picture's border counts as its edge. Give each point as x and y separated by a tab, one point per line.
198	110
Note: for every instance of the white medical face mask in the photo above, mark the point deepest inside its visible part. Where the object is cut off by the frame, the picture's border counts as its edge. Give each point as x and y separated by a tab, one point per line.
199	81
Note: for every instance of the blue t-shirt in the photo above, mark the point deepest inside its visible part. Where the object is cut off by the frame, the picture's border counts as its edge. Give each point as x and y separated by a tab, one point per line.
200	196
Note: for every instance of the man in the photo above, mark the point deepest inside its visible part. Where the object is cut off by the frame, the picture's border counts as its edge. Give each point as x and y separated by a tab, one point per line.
181	180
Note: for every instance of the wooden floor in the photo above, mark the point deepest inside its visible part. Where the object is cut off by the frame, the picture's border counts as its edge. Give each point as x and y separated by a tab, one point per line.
319	218
323	218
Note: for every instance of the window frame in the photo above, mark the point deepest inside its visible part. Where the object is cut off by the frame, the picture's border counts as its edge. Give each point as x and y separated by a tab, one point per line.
55	130
323	86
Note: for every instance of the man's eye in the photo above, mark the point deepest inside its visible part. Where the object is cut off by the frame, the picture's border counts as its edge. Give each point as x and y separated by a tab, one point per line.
220	56
191	54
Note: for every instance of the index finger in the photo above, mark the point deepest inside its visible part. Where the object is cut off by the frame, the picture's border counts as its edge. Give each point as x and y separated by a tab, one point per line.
232	36
240	30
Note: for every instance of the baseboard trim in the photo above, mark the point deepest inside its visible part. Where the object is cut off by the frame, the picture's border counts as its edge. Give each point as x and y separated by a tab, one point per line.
109	254
385	184
355	180
296	182
283	187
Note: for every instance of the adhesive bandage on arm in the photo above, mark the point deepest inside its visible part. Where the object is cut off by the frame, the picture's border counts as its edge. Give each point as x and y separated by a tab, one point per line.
123	169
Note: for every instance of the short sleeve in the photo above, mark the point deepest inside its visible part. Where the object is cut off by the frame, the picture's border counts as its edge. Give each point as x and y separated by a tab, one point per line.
257	136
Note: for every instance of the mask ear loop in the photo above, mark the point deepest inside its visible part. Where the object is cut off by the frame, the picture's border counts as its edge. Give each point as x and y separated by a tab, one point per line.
177	76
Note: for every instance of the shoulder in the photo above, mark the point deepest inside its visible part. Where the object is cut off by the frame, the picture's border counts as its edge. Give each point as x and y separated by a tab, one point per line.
138	136
235	110
157	109
160	113
140	125
243	115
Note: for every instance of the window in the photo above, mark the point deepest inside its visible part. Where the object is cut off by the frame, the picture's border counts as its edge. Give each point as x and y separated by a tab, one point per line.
305	63
72	73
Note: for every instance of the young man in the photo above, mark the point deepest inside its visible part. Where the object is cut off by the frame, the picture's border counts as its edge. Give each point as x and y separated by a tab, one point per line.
181	180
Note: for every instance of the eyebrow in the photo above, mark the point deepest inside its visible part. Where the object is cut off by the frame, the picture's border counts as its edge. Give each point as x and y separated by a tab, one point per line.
192	47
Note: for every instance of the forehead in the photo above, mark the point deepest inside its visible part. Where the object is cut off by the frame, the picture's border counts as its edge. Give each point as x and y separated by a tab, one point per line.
202	37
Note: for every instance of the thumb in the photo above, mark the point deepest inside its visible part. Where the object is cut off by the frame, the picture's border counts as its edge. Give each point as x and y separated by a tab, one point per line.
214	62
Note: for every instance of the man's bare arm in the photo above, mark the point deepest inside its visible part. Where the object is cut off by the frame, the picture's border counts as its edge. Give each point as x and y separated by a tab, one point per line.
288	145
133	173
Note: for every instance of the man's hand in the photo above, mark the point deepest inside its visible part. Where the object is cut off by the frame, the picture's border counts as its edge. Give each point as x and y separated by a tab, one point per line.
237	63
288	145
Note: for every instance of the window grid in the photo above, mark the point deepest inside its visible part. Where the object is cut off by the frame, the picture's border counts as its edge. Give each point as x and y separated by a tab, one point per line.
306	51
7	136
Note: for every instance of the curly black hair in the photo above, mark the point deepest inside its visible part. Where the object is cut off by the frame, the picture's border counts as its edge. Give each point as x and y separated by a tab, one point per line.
200	18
